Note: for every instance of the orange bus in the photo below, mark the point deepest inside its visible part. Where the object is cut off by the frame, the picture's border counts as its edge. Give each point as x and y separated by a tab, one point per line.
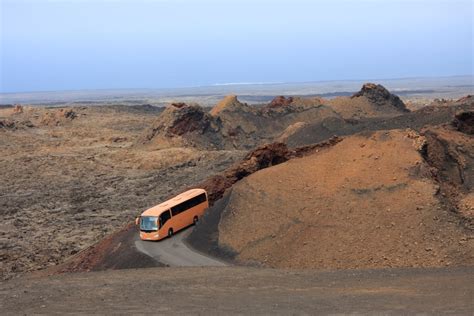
173	215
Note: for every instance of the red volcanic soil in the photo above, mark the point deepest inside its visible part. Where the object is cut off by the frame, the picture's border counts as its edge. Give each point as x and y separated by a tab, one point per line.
368	202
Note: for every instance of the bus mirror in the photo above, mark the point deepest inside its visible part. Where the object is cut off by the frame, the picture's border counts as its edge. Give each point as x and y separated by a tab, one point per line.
137	220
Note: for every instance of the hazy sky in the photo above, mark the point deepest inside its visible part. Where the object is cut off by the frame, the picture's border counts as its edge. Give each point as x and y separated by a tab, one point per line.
85	44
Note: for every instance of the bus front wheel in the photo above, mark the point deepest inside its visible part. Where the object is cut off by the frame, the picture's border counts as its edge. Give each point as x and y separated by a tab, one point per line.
195	220
170	232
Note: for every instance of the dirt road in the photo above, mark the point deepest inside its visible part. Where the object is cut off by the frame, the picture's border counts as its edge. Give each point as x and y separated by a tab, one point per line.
239	290
174	252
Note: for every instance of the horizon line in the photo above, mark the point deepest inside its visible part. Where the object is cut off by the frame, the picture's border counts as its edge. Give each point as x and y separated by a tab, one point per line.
224	84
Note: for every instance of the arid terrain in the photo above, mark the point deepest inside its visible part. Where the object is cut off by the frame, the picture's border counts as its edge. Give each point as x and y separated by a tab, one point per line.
365	181
366	202
68	181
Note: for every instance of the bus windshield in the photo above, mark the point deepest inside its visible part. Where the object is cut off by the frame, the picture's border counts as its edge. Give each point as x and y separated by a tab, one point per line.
148	223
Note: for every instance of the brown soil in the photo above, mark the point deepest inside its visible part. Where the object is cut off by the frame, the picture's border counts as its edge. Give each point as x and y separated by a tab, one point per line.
243	291
262	157
367	202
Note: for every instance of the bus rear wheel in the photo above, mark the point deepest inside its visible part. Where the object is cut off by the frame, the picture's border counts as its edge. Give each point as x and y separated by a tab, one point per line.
170	232
195	220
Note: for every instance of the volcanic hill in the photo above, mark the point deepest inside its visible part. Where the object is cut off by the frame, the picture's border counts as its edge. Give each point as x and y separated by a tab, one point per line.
231	124
371	101
369	201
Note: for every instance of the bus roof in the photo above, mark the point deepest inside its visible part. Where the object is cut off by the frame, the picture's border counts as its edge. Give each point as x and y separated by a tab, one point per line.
166	205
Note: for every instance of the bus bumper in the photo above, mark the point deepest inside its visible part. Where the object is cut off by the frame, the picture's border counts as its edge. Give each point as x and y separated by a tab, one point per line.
149	236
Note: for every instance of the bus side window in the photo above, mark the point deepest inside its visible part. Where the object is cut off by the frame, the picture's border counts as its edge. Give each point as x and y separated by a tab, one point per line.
164	217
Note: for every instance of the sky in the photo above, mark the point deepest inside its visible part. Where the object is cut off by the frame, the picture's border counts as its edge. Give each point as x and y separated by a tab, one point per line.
51	45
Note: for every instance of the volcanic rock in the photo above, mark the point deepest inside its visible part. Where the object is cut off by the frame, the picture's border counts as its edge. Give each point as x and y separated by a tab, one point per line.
333	126
371	101
468	99
280	101
182	124
18	109
377	94
179	104
238	121
229	103
464	122
58	117
180	119
449	151
286	105
7	124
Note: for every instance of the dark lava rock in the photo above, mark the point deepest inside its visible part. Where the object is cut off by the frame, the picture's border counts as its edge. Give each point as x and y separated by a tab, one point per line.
468	99
377	94
189	119
180	119
179	105
7	124
68	113
464	122
15	125
280	101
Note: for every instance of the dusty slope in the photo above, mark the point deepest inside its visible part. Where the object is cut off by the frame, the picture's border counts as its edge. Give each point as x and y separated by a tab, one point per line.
367	202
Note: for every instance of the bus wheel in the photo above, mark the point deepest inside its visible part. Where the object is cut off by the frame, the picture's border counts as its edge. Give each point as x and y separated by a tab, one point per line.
170	232
195	220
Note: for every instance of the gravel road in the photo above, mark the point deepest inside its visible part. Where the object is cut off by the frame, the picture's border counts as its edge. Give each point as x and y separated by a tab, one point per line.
174	252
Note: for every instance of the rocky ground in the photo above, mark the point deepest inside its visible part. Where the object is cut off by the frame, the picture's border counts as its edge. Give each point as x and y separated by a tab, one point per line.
70	176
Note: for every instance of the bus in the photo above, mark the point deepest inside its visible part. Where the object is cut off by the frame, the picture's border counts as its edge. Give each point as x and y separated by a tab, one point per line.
164	219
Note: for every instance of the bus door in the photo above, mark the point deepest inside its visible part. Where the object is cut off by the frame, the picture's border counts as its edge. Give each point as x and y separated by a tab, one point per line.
164	217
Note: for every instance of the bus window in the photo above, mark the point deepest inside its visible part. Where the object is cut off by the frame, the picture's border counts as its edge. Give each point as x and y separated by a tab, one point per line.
164	217
186	205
